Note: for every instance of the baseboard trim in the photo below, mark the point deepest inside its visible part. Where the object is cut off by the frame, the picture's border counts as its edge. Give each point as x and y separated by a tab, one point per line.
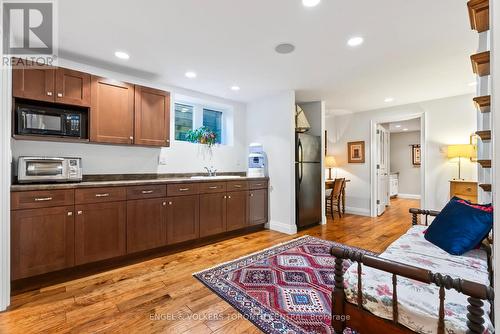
409	196
282	227
357	211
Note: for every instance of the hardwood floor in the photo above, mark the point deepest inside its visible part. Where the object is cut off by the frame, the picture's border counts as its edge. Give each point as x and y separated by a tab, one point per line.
127	299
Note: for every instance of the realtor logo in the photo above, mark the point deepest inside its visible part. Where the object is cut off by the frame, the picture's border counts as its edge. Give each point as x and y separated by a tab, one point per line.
28	28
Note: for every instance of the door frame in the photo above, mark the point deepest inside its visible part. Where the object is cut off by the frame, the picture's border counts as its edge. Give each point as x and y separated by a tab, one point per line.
387	163
5	180
373	156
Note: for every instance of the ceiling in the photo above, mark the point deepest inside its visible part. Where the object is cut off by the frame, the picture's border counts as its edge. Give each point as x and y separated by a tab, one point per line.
404	126
413	50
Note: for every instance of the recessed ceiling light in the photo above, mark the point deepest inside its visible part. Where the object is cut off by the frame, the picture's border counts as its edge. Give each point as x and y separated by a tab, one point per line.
310	3
190	74
398	126
405	129
122	55
235	88
355	41
472	84
285	48
389	99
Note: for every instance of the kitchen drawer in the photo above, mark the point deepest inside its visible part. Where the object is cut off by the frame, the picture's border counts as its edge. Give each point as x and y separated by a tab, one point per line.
41	199
181	189
237	185
212	187
99	195
262	184
148	191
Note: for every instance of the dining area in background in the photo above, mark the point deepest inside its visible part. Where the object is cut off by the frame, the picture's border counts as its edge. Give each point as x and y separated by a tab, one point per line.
335	196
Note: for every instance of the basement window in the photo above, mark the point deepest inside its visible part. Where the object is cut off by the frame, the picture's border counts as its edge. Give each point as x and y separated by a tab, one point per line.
183	120
212	119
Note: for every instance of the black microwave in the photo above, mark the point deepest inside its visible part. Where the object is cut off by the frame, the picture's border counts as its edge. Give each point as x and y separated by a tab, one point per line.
50	121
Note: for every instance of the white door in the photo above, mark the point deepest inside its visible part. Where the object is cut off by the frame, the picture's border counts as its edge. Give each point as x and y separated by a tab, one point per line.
382	169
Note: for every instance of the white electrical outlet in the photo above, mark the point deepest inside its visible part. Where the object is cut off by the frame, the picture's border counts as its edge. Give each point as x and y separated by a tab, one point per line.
162	159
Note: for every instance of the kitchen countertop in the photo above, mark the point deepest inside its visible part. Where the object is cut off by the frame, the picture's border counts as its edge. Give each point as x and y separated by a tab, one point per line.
113	182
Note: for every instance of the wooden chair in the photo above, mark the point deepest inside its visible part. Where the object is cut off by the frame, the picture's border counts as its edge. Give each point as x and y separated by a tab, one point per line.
334	198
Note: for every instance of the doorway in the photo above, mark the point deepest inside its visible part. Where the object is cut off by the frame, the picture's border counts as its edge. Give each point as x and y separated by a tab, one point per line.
397	161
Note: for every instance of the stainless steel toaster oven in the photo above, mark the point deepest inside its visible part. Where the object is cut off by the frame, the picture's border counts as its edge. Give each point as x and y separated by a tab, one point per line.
49	169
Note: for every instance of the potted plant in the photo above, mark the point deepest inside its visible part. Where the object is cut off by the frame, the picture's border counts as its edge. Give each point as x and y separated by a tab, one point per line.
203	136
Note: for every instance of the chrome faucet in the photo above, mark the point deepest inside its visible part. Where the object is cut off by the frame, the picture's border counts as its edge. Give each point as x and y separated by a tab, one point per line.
211	171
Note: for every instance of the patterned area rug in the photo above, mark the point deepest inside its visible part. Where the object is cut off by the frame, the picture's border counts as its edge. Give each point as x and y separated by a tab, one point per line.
283	289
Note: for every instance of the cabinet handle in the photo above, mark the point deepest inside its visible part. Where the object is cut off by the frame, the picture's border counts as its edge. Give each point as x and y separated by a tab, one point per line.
49	93
183	189
59	95
213	187
237	186
70	213
147	191
251	195
229	197
225	196
164	203
168	140
102	195
43	199
469	189
169	203
131	138
79	212
258	184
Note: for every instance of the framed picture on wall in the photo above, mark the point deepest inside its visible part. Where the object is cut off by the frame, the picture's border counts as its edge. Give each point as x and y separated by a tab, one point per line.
356	152
415	155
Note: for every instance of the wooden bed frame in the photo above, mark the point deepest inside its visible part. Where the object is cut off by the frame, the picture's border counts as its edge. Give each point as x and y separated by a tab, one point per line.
345	314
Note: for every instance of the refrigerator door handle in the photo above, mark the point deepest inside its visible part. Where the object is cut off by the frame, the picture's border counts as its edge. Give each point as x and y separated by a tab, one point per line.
301	152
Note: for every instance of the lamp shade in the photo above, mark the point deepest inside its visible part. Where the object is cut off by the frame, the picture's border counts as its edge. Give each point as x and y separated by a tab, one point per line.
330	161
462	151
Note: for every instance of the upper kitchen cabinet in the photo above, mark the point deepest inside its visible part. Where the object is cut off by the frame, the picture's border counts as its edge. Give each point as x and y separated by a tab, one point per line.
33	82
152	117
50	84
112	111
72	87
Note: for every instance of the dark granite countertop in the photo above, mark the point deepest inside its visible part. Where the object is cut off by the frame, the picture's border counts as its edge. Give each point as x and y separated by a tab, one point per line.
118	180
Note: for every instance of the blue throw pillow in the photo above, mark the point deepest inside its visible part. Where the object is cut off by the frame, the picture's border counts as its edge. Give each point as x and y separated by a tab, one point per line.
460	226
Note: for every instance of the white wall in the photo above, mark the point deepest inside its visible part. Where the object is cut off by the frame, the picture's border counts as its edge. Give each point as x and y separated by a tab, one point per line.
449	121
270	121
117	159
401	161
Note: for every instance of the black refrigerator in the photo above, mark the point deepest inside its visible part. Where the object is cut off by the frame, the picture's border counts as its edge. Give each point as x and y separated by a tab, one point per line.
308	179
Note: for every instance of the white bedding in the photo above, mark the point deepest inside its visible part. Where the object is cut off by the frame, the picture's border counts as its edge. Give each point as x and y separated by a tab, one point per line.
418	303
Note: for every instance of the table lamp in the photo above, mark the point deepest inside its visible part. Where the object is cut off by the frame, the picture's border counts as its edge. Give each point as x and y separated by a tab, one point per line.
461	151
330	163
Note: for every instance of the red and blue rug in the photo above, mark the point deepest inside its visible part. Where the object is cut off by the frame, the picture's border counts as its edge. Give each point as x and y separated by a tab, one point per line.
283	289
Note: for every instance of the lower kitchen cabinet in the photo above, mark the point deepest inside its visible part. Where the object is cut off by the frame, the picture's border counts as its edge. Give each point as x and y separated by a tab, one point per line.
100	231
257	207
42	240
146	224
236	210
183	220
212	214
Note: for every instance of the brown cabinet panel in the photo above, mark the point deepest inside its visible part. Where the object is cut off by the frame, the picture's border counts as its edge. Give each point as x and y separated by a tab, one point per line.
212	187
152	117
181	189
236	210
237	185
42	240
146	224
147	191
72	87
100	231
32	81
99	195
212	214
183	221
41	199
257	207
262	184
112	111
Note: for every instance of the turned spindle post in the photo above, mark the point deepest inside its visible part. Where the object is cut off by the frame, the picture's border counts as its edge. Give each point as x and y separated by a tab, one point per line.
338	297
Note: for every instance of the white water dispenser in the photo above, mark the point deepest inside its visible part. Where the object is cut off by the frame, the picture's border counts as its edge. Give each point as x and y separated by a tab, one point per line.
256	161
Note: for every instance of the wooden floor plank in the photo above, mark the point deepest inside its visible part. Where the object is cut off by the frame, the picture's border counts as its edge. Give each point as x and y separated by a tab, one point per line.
127	299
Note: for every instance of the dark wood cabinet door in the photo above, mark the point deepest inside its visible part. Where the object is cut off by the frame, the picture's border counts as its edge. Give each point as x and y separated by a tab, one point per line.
34	82
236	210
257	207
146	224
112	111
183	221
42	240
212	214
100	231
152	117
72	87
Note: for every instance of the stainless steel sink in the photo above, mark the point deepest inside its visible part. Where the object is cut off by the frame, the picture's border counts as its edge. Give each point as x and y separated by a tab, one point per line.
221	177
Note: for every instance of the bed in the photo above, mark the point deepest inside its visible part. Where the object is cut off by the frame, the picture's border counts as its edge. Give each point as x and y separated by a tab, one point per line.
435	292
